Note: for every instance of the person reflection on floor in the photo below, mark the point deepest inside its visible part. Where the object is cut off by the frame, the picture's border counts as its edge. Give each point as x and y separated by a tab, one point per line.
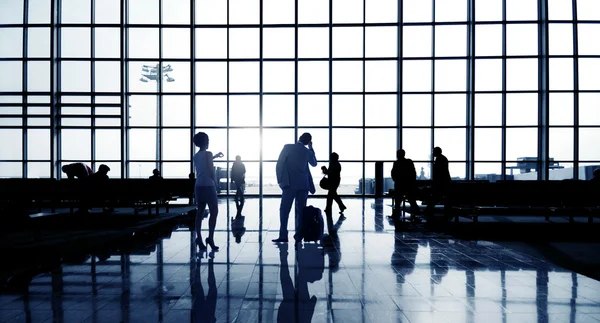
204	308
403	259
310	268
237	227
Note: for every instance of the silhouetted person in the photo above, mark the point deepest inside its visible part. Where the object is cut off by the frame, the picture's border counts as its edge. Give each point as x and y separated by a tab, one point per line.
295	181
238	176
405	184
204	307
156	174
77	170
99	186
440	178
334	175
596	178
101	174
205	191
297	304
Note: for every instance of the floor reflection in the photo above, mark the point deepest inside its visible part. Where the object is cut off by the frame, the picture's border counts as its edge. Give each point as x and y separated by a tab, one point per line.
361	272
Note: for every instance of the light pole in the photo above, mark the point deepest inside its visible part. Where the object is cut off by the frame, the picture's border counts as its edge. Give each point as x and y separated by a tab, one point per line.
151	73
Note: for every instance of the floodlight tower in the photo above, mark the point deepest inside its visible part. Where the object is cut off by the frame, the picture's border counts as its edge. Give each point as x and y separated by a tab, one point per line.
151	73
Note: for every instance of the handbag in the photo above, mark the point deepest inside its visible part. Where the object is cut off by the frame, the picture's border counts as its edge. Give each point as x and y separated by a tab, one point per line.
324	183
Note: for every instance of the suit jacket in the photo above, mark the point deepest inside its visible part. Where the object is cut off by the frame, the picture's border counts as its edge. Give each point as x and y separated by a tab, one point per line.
441	174
292	168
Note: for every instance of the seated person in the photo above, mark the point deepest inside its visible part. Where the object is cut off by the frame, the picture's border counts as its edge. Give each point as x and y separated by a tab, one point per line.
99	184
78	170
596	178
155	174
101	174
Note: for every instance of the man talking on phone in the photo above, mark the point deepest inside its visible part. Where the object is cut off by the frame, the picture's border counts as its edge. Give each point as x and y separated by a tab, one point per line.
295	181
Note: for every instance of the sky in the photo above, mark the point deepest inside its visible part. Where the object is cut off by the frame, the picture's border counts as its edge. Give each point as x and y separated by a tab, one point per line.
313	77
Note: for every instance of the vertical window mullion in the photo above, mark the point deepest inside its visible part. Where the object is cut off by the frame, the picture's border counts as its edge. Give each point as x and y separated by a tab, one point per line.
503	159
125	91
25	89
543	79
575	93
470	106
192	80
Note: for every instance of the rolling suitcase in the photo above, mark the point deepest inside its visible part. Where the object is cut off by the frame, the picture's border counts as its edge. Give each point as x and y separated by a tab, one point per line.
312	224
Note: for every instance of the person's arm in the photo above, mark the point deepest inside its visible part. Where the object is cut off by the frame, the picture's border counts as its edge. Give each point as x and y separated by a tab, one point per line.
280	166
312	158
325	170
218	155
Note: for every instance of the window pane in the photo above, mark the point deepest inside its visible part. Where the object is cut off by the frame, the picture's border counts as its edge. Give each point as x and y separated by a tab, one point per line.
143	42
380	110
561	74
521	74
313	42
278	110
381	76
561	39
141	170
75	11
416	110
243	142
381	42
176	144
378	11
347	76
274	140
38	42
488	109
108	76
243	77
76	144
521	10
589	109
107	43
416	76
211	110
75	42
380	144
176	43
488	75
452	142
486	171
588	143
11	170
12	42
176	77
107	12
417	144
451	10
341	138
589	69
588	10
211	12
143	11
347	11
142	110
450	40
347	110
450	109
244	110
176	110
587	35
561	143
15	82
278	77
320	139
142	144
561	109
38	76
142	76
450	75
211	42
108	144
12	144
75	76
278	11
521	109
38	170
488	144
521	39
416	41
313	110
244	43
488	40
39	11
313	11
244	11
488	10
176	170
352	174
176	11
211	77
417	10
12	12
313	76
279	42
521	142
560	9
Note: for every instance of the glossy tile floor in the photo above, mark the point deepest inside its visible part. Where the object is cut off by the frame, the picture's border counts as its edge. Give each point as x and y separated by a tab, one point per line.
367	274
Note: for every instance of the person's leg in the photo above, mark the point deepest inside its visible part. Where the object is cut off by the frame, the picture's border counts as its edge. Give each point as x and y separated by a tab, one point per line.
338	200
287	198
214	211
237	195
242	187
201	205
301	197
329	202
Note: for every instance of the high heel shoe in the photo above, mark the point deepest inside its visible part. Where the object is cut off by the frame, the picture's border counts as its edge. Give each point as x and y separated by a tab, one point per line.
211	243
200	244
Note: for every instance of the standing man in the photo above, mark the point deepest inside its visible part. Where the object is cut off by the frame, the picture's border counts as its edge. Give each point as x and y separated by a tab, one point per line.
405	184
238	176
440	178
295	181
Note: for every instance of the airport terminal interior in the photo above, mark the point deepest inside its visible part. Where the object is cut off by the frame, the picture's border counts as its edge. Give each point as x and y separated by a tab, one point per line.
103	109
